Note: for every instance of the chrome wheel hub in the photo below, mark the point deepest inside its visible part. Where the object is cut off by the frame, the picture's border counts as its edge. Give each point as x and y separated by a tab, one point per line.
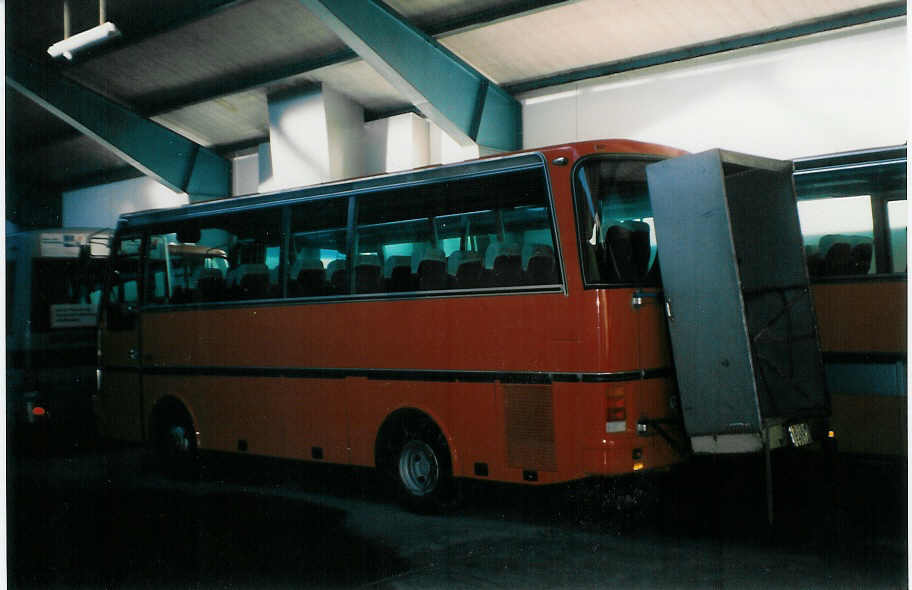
418	468
178	440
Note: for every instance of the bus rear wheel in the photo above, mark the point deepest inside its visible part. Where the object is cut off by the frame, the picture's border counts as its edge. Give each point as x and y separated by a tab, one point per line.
174	443
415	459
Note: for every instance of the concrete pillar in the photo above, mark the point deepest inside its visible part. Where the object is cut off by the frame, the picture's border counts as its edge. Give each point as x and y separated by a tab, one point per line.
396	143
315	135
445	150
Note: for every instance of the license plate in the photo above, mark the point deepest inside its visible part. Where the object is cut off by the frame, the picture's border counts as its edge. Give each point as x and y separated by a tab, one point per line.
800	434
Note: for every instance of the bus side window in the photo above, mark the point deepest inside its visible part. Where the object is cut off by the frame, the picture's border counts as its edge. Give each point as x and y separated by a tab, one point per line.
472	233
123	285
838	235
317	257
897	219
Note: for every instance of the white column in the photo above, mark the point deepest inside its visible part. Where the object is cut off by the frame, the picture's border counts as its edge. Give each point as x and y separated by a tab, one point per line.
396	143
315	135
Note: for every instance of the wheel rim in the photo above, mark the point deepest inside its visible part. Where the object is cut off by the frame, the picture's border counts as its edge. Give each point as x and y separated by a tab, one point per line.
418	468
177	441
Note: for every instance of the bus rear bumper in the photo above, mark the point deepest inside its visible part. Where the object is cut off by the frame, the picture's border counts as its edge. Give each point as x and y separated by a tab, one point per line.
631	453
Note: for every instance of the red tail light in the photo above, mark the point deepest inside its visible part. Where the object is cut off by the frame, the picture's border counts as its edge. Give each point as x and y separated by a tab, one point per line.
615	412
616	409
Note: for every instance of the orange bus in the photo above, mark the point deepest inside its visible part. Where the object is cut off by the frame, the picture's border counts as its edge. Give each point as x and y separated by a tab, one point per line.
460	321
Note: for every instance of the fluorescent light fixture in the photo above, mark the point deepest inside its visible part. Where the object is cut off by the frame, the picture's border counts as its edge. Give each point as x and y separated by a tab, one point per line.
83	40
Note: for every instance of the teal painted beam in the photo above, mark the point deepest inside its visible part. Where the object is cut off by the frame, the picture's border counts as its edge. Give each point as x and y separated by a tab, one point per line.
155	150
446	89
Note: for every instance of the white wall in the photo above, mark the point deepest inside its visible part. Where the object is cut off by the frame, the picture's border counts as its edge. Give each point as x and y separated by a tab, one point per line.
100	206
832	92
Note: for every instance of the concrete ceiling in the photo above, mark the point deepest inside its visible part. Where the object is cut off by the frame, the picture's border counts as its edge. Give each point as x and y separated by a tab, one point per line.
204	68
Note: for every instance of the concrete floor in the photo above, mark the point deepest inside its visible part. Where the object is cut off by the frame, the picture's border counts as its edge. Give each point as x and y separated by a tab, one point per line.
102	519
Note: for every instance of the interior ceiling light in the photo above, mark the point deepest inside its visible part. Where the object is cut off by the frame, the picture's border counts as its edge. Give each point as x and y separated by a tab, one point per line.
67	47
105	31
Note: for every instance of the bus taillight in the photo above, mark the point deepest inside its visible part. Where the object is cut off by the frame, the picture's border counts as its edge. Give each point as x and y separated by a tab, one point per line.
616	413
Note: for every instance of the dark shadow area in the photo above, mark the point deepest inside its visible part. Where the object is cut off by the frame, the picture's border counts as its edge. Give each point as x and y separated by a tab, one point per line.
851	509
102	518
111	533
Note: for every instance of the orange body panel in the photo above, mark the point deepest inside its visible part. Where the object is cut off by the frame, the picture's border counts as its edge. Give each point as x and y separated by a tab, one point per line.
277	408
863	316
863	322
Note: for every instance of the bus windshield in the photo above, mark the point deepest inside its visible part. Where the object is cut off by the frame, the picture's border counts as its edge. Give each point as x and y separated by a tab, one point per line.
614	217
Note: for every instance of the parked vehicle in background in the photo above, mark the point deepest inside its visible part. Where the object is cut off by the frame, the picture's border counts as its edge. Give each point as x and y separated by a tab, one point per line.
854	217
54	280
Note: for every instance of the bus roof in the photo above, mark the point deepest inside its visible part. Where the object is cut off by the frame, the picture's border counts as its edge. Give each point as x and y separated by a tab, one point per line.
480	167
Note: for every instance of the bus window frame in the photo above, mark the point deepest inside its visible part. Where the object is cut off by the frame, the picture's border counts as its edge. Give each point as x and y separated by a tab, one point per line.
105	304
653	280
872	172
352	191
880	236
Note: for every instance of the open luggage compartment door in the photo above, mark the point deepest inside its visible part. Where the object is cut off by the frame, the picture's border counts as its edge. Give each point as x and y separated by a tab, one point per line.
740	314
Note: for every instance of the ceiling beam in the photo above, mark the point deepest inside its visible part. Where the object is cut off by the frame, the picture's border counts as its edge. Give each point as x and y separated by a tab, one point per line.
838	21
156	151
234	84
447	90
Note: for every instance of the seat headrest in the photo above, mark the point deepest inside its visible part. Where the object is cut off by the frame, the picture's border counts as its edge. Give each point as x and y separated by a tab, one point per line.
367	260
394	262
335	265
305	264
428	253
460	257
497	249
530	251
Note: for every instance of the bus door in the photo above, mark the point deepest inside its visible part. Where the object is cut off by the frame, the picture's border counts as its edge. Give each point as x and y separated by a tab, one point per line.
119	400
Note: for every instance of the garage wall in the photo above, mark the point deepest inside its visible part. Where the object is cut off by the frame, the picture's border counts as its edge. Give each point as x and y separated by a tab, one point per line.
100	206
828	93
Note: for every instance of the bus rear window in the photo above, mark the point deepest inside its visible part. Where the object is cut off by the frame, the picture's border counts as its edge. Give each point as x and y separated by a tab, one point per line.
614	221
56	282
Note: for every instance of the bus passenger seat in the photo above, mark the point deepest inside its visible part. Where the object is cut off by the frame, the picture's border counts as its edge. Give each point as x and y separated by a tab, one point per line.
539	264
619	242
431	269
465	270
210	285
503	261
862	253
814	261
838	260
397	274
250	281
367	273
308	278
336	271
639	242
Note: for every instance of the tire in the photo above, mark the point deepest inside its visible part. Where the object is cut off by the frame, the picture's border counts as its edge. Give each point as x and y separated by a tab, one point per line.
174	444
415	459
